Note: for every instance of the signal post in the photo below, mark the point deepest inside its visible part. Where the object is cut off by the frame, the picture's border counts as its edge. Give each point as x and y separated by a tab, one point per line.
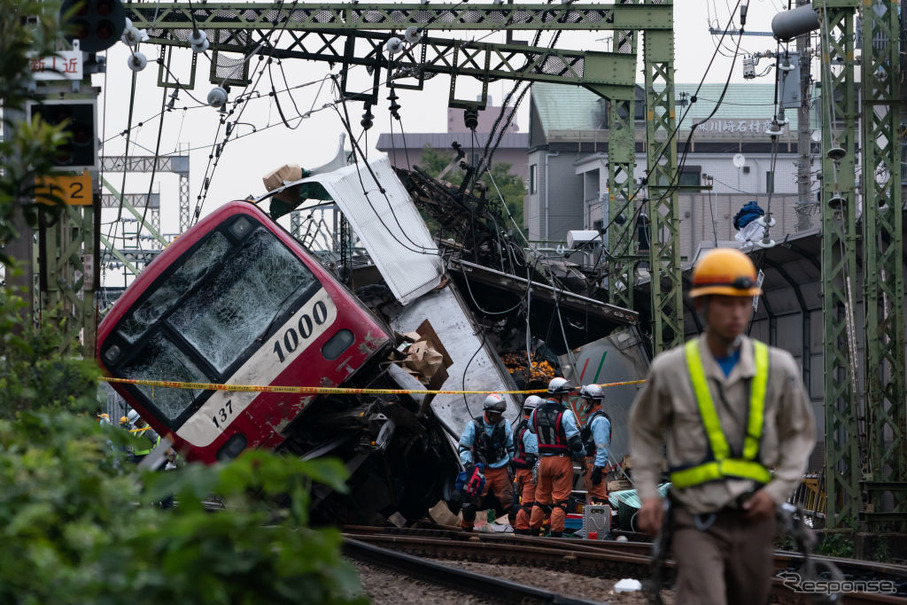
69	226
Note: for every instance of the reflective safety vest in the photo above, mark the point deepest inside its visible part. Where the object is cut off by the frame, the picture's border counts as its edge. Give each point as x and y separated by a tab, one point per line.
549	428
146	450
586	433
519	460
719	463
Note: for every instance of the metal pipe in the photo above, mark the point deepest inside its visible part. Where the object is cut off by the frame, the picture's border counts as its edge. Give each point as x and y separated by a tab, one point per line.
547	189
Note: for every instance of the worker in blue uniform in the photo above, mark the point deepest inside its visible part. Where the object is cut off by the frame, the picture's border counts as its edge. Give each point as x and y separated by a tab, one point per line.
559	442
489	439
596	436
524	465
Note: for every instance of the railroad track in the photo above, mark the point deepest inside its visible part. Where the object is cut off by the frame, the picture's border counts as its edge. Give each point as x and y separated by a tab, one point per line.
611	559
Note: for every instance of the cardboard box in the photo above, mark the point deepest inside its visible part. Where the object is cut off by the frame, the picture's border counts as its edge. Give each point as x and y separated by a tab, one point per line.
288	173
285	174
426	358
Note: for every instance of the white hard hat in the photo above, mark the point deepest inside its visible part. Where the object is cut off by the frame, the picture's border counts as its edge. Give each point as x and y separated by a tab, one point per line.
559	386
133	416
532	402
495	403
592	391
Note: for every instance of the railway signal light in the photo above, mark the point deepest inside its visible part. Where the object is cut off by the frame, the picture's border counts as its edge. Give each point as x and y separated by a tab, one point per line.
96	24
80	150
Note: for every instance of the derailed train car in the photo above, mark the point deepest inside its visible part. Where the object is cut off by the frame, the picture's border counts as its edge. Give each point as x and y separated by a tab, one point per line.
237	300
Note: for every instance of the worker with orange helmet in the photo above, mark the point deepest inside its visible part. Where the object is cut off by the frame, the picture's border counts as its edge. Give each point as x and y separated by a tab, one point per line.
739	429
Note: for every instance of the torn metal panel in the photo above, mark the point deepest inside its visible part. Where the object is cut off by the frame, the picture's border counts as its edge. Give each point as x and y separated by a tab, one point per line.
476	367
384	217
564	298
620	357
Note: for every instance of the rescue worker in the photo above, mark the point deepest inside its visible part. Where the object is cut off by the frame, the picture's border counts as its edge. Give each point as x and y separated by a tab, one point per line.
559	442
596	435
145	433
489	439
739	430
524	462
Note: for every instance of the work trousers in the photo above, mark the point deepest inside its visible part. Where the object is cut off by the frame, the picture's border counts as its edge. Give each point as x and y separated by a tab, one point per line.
525	490
598	493
729	563
555	483
497	483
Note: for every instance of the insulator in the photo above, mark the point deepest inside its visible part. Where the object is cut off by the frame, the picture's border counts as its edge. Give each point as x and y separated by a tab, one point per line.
137	62
471	118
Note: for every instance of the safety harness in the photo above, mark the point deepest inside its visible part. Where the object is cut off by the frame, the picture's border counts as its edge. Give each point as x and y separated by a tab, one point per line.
548	426
521	460
489	448
586	433
718	462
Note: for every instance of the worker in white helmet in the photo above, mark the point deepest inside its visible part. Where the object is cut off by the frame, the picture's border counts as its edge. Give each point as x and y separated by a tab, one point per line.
555	426
526	445
488	440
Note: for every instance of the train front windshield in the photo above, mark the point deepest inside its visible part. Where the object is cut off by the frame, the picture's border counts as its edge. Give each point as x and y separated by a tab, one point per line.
203	318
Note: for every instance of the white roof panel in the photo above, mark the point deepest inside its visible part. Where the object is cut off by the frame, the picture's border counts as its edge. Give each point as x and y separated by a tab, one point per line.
387	222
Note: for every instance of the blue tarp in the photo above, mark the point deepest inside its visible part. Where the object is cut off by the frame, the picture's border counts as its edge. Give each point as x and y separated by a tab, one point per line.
746	215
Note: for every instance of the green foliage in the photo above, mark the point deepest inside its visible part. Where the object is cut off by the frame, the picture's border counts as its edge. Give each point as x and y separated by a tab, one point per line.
78	522
79	525
836	544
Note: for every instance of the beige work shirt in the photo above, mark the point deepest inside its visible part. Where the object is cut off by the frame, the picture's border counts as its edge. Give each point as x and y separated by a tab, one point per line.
666	411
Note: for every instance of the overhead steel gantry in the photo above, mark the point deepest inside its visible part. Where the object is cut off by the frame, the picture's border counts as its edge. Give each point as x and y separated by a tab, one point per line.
865	412
350	35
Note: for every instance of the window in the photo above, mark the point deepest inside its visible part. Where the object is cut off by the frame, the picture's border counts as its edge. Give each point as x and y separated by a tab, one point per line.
533	178
690	179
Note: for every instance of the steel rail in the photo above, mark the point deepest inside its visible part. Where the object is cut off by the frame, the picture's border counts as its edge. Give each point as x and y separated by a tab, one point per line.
608	559
451	577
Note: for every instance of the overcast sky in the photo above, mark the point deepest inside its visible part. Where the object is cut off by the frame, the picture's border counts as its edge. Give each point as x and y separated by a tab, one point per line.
312	140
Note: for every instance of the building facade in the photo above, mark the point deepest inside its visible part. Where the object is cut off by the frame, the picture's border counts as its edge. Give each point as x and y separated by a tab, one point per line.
729	159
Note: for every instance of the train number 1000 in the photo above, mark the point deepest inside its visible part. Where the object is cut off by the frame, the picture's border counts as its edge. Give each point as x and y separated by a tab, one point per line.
294	335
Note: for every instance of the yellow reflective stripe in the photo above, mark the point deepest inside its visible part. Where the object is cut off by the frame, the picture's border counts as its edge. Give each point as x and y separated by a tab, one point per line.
149	450
723	466
757	402
720	448
719	469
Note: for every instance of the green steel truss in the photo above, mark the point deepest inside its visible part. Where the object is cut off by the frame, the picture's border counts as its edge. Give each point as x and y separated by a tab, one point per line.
839	113
664	222
610	75
622	260
66	277
883	283
237	17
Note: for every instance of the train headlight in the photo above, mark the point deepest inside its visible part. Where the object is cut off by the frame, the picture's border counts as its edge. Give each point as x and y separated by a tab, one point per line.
338	343
232	448
240	227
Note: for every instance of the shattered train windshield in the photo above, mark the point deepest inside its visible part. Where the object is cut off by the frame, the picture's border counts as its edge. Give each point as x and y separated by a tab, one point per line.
214	307
238	303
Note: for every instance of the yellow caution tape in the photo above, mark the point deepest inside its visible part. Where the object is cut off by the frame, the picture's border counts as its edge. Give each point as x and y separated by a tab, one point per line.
203	386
